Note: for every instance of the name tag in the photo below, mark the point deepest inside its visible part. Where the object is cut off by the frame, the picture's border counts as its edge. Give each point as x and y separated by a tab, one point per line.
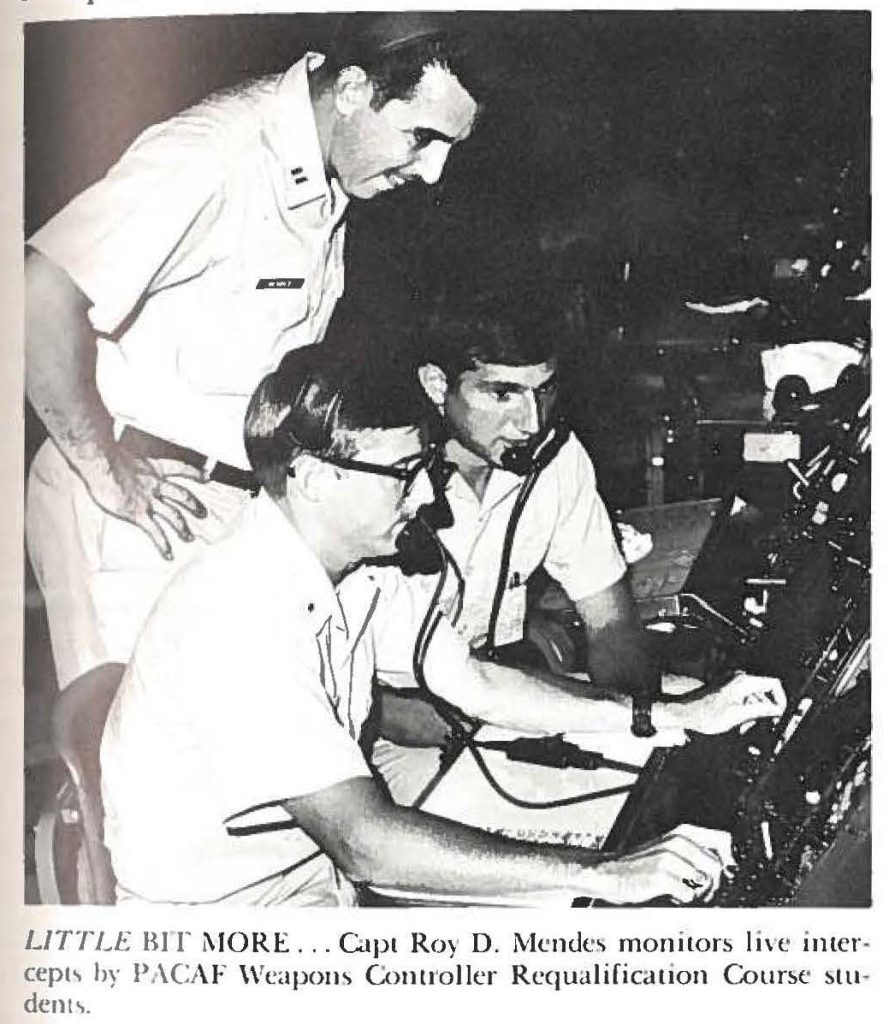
771	447
280	282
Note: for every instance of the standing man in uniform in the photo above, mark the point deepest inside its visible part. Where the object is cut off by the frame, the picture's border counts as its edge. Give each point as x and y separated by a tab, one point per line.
160	296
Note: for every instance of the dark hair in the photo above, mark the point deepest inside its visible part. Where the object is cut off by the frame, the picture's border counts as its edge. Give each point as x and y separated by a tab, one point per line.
459	340
395	48
315	402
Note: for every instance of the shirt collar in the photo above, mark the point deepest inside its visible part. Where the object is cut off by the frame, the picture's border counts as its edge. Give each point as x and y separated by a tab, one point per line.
501	484
295	565
293	135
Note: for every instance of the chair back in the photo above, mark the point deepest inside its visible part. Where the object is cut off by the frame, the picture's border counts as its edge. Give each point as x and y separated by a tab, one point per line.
77	724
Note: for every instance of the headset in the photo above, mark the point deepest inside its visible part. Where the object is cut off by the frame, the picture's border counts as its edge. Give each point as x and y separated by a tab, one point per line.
536	455
417	549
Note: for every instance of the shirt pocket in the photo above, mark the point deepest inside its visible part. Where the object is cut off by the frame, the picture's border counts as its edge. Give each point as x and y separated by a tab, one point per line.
250	318
528	553
276	296
511	614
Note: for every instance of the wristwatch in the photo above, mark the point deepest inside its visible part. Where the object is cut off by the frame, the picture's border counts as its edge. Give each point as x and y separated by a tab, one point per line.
642	725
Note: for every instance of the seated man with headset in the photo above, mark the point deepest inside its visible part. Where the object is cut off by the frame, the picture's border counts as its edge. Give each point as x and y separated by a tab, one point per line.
251	681
521	496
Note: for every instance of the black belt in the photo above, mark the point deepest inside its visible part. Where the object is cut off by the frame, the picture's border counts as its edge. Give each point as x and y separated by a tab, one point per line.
137	442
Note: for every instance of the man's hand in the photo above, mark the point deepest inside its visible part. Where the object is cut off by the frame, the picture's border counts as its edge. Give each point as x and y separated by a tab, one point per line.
146	495
60	377
743	699
685	865
411	721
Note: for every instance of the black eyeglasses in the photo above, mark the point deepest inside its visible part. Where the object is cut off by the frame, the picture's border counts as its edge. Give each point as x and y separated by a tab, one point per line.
430	460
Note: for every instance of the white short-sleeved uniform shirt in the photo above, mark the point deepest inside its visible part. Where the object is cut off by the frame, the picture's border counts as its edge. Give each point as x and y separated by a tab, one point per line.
212	248
565	527
248	686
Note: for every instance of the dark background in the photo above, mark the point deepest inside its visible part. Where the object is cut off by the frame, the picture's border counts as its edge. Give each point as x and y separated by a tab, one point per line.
646	130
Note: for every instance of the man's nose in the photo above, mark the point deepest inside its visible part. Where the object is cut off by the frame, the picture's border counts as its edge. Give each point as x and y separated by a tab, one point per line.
431	159
528	416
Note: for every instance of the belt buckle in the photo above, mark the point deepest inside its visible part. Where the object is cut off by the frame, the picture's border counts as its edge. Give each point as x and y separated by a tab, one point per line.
207	469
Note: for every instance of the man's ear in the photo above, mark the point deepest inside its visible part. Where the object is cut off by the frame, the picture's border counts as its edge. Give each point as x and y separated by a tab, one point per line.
352	91
434	383
308	477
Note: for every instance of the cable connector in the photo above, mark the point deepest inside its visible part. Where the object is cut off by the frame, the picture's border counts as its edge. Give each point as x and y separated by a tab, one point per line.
554	752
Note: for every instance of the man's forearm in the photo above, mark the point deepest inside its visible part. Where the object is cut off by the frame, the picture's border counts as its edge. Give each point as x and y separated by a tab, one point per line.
60	365
61	385
536	701
421	851
380	843
528	700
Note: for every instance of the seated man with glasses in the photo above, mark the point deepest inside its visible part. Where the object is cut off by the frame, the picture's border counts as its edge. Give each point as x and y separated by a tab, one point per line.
232	770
